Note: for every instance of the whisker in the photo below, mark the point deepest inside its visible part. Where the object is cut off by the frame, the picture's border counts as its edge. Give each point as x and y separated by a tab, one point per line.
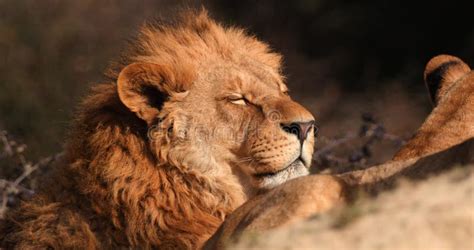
244	159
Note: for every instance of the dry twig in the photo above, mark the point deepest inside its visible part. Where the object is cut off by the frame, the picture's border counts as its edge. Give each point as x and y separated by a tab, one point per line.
370	132
12	190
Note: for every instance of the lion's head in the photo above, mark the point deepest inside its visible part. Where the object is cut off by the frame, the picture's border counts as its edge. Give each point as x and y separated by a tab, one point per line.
195	119
215	101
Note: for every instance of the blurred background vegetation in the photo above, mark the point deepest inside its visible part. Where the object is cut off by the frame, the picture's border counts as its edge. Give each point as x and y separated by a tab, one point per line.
342	58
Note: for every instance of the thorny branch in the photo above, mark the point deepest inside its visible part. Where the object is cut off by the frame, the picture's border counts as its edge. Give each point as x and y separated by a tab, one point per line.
370	132
12	190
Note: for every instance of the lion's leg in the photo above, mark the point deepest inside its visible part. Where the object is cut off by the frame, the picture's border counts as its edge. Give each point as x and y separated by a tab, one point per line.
294	200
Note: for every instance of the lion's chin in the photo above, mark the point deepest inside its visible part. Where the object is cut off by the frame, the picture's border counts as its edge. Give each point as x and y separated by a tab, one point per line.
271	180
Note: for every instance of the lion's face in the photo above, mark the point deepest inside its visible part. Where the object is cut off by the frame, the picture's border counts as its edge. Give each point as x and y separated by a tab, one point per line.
231	121
241	118
224	112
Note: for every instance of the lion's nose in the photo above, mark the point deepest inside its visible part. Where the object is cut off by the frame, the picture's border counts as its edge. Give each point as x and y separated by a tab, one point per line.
300	129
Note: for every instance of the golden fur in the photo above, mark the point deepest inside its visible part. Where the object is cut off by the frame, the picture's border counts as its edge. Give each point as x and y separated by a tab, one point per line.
444	141
451	85
195	121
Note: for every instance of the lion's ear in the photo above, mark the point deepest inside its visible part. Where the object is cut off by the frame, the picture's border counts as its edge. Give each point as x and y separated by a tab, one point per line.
144	87
442	71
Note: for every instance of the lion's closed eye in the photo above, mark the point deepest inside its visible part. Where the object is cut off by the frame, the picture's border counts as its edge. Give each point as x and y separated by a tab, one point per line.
238	99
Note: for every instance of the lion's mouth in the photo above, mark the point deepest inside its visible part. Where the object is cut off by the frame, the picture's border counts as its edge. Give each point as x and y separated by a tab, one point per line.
295	164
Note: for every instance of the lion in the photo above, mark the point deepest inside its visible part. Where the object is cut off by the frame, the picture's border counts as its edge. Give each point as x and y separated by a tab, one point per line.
445	140
195	120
